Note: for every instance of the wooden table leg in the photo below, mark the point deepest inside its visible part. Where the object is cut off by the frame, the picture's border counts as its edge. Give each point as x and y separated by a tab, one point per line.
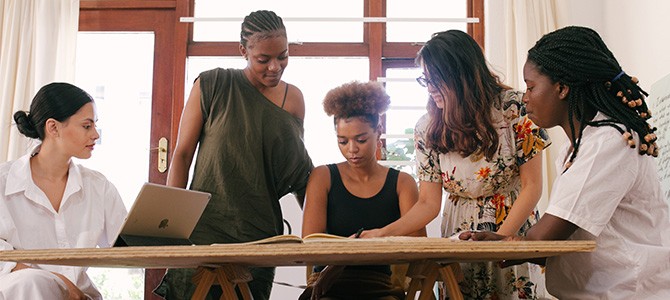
203	279
417	274
448	275
233	275
424	274
227	276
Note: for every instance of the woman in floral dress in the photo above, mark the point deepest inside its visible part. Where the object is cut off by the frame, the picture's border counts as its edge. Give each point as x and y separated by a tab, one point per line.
476	143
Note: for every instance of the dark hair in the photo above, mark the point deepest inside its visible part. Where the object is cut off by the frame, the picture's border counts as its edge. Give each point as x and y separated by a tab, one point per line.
578	58
454	60
357	99
264	22
57	100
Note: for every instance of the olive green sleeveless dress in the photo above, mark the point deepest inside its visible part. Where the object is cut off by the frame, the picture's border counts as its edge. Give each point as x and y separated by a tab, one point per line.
251	153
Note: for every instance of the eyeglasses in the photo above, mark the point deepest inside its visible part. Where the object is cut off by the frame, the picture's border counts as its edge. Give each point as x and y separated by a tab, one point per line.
424	82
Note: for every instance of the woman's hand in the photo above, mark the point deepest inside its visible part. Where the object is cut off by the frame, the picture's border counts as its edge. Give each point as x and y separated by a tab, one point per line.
481	236
491	236
74	293
372	233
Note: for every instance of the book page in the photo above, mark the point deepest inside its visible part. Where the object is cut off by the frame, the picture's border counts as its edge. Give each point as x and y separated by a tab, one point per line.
659	104
324	237
277	239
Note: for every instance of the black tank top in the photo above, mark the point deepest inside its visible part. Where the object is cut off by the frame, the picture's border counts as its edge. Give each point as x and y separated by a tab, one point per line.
348	213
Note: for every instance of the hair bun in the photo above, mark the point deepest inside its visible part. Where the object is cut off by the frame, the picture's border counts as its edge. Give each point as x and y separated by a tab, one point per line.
24	124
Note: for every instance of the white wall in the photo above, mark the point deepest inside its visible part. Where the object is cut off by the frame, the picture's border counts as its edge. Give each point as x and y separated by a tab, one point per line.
637	34
635	31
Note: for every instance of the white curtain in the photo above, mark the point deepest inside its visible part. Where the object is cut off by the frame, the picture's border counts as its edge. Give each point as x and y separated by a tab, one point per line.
37	46
526	22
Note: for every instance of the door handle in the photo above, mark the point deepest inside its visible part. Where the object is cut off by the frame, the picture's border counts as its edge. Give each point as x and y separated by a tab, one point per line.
162	154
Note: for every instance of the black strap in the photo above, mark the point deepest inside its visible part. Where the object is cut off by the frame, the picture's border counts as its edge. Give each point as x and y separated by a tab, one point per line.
285	93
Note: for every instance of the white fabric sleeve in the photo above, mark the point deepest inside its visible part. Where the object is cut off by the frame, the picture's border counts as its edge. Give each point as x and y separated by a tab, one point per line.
115	214
588	193
6	230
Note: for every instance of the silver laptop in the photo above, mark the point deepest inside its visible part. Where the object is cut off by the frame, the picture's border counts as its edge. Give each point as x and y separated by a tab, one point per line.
162	215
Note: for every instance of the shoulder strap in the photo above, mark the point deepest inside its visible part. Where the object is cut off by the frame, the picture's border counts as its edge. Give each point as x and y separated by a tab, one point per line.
285	93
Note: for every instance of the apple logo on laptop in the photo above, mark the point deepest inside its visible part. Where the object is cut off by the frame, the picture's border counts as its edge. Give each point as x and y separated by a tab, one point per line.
163	224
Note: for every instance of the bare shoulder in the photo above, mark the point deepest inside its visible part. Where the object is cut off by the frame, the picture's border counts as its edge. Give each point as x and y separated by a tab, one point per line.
320	173
295	101
404	178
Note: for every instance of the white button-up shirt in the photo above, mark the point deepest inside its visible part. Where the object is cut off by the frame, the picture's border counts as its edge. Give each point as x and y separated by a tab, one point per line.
613	195
91	213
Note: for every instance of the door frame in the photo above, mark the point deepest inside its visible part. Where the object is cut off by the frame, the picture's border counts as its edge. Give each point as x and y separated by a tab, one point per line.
167	94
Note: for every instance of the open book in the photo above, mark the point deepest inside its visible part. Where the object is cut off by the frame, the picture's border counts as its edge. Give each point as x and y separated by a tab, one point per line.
292	238
320	237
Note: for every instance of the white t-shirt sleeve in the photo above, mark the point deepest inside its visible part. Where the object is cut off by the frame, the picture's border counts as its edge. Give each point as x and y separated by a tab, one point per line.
588	193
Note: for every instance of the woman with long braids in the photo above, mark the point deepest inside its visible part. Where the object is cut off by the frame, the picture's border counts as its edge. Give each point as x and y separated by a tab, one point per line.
248	126
608	188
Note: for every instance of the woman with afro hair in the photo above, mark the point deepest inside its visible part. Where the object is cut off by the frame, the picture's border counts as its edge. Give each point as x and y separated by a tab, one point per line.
355	194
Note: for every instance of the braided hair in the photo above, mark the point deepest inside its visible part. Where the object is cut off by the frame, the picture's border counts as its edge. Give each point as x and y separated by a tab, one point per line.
578	58
263	22
357	99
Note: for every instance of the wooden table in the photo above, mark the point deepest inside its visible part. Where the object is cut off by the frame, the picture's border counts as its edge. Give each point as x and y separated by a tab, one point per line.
227	263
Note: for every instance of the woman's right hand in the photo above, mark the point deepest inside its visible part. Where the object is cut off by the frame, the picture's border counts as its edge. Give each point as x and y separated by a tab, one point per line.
481	236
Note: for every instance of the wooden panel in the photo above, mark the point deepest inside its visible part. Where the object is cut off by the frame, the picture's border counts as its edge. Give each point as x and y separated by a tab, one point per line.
305	49
126	4
400	50
476	10
375	38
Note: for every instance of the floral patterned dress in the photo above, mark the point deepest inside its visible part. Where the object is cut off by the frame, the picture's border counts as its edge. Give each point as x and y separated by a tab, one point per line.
481	194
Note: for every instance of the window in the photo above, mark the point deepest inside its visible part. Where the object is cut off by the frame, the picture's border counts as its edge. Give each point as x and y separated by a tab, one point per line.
299	31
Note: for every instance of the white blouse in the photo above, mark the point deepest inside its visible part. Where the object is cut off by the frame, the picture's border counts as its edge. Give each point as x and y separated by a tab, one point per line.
90	215
613	195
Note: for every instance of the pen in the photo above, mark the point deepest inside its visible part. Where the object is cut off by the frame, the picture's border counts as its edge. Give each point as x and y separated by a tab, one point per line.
358	233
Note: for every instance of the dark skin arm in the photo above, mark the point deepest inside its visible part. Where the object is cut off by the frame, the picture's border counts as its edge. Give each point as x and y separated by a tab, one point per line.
548	228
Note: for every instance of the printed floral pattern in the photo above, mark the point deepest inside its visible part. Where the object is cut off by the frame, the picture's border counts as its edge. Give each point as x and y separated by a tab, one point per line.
482	193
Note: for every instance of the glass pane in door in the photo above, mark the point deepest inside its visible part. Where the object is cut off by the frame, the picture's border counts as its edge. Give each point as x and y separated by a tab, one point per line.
116	69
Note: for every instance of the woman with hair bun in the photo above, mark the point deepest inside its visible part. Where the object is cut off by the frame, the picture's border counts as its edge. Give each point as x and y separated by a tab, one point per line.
356	194
50	202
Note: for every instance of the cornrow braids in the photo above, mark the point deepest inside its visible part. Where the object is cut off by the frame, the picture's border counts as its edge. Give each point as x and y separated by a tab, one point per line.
578	58
263	22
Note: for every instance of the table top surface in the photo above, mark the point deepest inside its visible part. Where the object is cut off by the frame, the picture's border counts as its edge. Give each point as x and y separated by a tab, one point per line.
352	251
